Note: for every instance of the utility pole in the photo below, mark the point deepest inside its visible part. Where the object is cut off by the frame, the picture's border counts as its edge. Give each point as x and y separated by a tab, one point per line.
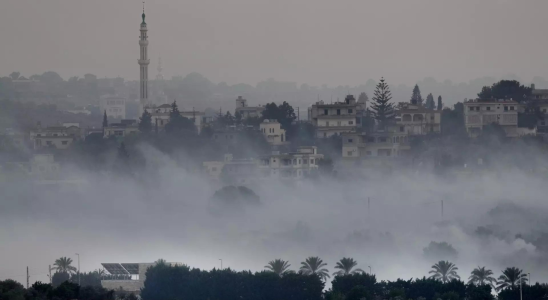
78	268
520	290
28	277
221	263
49	267
442	210
298	114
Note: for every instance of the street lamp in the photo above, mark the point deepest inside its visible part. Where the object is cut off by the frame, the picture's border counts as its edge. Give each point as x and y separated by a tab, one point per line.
221	263
78	268
370	273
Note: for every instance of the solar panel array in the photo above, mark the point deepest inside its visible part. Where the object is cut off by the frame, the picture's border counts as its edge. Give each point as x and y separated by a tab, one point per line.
116	269
132	269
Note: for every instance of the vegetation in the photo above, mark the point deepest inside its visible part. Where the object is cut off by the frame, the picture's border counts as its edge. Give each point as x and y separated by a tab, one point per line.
64	265
430	104
444	271
314	265
482	276
506	89
416	97
346	266
510	279
382	109
279	267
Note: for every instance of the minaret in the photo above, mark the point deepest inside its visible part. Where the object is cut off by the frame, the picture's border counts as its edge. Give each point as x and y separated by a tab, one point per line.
143	63
159	76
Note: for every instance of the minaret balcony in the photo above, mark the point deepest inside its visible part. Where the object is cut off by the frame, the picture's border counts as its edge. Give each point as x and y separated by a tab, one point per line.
144	61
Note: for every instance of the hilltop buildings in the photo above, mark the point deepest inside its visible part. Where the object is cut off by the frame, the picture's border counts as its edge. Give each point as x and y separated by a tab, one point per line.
480	113
334	118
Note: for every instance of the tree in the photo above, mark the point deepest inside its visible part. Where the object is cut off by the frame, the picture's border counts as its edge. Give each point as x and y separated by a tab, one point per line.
430	104
346	267
105	119
444	271
64	265
506	89
440	104
510	278
145	123
314	265
59	277
11	290
362	98
15	75
383	111
283	113
479	292
122	152
416	97
481	276
279	267
177	123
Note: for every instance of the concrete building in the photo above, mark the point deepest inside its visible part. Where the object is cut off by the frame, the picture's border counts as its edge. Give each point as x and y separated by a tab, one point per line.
293	165
160	116
247	111
273	132
417	120
388	144
130	277
58	137
480	113
335	118
122	129
232	171
115	107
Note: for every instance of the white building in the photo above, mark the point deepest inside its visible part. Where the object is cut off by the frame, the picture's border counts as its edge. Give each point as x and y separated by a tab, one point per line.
122	129
417	120
389	143
233	171
273	132
58	137
130	277
115	107
160	116
295	165
480	113
335	118
44	167
247	111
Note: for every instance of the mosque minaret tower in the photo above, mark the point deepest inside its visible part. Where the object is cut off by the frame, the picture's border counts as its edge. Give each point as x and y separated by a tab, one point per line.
143	63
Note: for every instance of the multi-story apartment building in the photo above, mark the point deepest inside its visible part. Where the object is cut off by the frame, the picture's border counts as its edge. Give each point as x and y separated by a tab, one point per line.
273	132
480	113
115	107
334	118
417	120
392	142
247	111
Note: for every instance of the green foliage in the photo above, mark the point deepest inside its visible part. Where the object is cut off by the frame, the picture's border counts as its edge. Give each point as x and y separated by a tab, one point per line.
343	284
64	265
444	271
105	119
279	267
440	103
479	292
346	267
59	277
181	282
511	278
145	122
283	113
481	276
430	104
234	198
177	123
314	265
382	109
452	121
416	97
11	290
506	89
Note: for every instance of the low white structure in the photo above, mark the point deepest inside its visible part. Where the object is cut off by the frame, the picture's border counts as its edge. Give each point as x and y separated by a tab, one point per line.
122	129
388	143
273	132
130	277
417	120
247	111
480	113
44	167
160	116
58	137
295	165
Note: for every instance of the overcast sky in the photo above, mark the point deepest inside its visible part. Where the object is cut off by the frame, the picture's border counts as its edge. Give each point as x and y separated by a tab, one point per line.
306	41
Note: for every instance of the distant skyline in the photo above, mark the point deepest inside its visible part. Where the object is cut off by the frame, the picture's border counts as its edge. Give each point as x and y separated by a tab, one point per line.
309	41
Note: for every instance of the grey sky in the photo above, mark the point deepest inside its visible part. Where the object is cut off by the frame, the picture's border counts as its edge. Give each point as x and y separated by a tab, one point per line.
307	41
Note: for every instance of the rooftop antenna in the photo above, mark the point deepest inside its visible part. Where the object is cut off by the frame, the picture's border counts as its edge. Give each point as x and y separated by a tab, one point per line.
143	6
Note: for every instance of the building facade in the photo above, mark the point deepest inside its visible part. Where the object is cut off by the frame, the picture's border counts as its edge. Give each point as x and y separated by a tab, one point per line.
273	132
480	113
122	129
334	119
417	120
115	107
246	111
160	116
389	143
293	165
57	137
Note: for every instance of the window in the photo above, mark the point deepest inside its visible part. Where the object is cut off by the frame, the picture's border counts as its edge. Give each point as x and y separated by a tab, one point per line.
48	143
488	108
471	108
506	108
338	123
325	134
477	108
311	161
371	139
64	142
402	128
350	140
432	117
305	161
350	122
349	153
382	139
327	123
299	161
543	110
294	161
325	112
338	111
55	134
511	108
41	135
349	110
368	152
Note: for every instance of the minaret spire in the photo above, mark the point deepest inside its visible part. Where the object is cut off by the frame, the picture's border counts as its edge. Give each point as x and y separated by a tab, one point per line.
143	62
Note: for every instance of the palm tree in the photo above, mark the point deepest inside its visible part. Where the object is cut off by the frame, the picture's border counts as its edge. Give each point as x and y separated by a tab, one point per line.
481	276
278	266
510	278
63	265
444	271
314	265
345	266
